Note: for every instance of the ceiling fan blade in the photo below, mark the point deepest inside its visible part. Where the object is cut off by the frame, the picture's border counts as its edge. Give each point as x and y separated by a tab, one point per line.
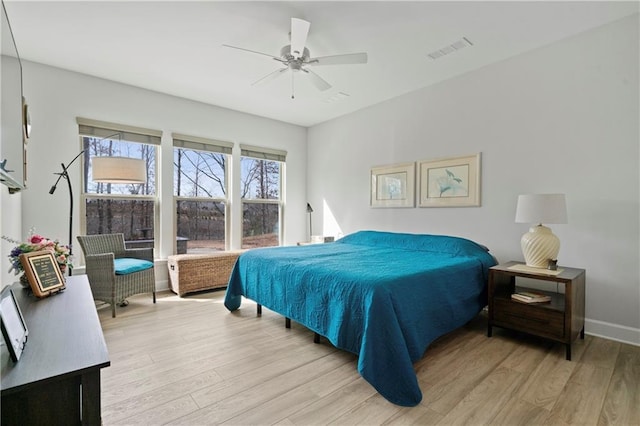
299	33
317	81
348	58
253	51
271	76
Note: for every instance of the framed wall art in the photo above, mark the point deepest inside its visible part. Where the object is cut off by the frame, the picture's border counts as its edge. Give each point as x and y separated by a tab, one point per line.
42	270
449	182
393	185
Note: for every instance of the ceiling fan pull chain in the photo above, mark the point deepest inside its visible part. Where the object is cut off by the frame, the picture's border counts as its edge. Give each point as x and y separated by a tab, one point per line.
292	86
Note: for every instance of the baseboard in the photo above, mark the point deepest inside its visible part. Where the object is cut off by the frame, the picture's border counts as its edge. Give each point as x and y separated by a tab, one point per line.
606	330
162	285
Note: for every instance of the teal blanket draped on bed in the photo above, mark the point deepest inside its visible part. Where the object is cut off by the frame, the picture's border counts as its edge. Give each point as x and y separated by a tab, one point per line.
383	296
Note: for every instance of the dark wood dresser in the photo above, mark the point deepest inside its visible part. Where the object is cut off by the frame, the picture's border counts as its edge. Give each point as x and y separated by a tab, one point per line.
57	379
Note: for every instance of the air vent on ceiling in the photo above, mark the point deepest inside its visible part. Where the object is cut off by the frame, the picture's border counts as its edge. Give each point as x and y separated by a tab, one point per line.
453	47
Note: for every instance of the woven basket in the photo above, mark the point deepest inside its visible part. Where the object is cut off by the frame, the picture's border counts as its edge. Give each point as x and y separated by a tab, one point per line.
196	272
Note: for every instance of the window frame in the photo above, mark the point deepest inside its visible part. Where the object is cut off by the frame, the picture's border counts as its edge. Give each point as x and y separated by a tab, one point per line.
280	201
225	148
85	196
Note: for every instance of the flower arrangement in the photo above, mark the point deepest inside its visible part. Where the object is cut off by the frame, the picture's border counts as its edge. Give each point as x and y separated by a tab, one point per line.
37	242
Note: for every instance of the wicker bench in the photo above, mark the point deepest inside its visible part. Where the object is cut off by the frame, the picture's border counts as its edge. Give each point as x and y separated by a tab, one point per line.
196	272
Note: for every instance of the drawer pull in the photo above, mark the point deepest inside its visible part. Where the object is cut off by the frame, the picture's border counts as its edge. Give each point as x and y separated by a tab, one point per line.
531	319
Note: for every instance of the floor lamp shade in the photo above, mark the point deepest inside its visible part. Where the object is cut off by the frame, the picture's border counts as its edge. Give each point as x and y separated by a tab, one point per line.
540	245
118	170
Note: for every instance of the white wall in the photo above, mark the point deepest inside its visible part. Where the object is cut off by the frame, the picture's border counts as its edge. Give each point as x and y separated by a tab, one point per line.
563	118
10	218
56	97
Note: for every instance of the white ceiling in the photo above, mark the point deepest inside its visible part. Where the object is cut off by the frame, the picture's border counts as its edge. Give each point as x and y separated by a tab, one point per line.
176	47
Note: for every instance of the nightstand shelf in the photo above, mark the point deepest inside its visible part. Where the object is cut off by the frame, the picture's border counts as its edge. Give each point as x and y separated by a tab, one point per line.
561	320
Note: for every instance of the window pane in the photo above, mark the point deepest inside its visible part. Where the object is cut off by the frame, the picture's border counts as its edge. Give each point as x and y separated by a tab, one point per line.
198	173
200	226
260	179
133	218
96	147
260	225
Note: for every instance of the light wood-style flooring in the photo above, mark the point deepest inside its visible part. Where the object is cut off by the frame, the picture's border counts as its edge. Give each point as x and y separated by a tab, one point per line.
188	361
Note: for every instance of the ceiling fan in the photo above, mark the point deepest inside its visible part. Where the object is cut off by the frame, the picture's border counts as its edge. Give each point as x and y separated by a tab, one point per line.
296	57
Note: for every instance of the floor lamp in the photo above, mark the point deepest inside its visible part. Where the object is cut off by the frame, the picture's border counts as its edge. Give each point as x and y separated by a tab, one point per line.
309	210
121	170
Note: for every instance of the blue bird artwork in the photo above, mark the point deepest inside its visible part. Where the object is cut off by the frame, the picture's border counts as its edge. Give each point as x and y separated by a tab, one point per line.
451	185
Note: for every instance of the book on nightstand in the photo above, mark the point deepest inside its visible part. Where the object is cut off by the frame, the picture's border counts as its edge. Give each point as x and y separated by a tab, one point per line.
530	297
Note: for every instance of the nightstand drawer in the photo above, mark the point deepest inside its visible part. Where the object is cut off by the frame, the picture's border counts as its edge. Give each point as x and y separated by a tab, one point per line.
531	319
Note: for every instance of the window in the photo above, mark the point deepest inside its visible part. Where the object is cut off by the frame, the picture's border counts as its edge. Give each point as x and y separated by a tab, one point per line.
200	191
128	208
261	187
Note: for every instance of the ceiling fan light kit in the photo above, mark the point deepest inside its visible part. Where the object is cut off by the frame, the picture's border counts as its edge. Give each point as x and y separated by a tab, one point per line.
296	57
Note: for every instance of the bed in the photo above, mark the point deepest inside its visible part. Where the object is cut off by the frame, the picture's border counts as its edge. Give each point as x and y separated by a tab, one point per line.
382	296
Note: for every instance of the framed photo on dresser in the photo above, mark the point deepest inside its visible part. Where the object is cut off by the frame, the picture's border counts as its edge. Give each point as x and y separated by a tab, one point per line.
14	329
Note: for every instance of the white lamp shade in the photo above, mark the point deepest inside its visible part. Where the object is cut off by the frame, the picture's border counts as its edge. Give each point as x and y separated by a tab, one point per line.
118	170
541	208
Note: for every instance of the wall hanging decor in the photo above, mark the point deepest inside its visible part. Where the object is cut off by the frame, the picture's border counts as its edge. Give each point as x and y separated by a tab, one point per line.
393	185
449	182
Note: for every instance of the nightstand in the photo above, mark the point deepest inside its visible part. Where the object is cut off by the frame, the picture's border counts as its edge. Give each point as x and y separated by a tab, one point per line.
561	320
316	240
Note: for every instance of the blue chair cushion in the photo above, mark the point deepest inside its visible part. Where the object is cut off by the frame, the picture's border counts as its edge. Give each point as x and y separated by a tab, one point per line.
127	265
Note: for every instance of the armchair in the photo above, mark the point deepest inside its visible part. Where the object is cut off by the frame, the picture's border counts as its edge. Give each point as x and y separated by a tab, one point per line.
116	272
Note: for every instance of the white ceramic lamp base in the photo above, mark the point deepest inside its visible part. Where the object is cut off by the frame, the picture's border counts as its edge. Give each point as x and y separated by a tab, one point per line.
539	245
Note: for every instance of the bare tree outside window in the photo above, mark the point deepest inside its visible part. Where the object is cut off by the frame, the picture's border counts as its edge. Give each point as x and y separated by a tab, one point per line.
199	174
260	186
200	190
200	226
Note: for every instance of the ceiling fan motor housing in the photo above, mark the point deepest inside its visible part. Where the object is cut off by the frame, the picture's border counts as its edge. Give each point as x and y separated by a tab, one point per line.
291	61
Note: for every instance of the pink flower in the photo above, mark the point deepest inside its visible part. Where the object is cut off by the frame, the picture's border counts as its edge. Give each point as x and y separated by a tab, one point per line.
35	239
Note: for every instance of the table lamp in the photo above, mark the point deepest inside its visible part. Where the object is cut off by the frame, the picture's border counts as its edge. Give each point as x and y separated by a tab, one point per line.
540	245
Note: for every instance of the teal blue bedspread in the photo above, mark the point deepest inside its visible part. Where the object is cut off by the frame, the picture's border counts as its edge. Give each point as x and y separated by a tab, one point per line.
383	296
